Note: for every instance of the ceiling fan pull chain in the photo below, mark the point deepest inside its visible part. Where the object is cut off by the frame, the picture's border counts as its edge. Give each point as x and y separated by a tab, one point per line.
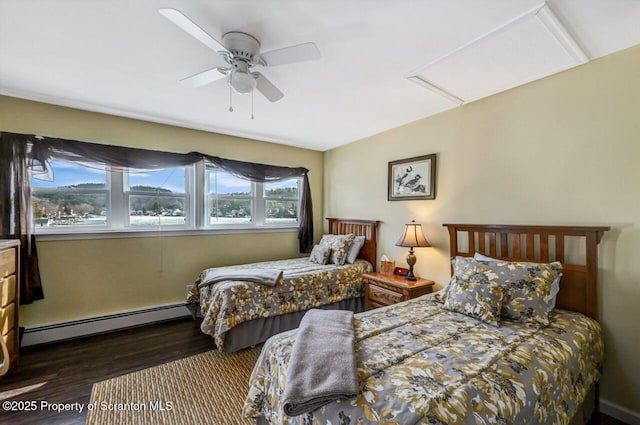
230	96
252	91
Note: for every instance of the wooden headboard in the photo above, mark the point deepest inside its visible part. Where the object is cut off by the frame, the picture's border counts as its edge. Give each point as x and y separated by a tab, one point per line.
366	228
541	244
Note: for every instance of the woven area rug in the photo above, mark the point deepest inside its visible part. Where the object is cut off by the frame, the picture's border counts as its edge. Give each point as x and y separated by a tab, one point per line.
208	388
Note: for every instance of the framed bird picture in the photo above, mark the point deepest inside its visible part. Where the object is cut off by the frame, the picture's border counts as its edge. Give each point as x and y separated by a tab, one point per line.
412	178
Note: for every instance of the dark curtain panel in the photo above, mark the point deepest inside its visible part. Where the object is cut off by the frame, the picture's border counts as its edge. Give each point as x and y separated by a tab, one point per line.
44	148
15	211
305	231
255	172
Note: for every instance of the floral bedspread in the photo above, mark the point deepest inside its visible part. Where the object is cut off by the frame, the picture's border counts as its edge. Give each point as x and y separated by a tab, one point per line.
420	364
304	285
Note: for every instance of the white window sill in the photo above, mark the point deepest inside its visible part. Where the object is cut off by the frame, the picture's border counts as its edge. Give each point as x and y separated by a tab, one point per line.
144	233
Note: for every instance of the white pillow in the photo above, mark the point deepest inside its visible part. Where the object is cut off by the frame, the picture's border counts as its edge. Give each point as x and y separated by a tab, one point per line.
354	249
478	256
555	285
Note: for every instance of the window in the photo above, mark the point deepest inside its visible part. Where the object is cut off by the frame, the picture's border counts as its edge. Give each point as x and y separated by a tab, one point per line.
93	197
79	196
281	201
157	198
230	200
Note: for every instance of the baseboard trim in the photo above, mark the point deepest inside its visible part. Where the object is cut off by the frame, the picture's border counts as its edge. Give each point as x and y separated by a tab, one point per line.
100	324
621	413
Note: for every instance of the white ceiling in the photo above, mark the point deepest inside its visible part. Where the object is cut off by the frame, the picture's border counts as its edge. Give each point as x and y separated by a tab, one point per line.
122	57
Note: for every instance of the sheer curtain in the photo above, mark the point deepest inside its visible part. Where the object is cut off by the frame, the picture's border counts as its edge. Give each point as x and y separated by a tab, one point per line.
19	152
15	211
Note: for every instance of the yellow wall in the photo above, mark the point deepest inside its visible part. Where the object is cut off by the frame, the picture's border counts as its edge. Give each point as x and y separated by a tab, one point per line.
85	278
562	150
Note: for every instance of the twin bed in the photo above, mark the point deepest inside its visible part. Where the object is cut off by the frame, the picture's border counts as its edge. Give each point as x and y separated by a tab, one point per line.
240	314
422	362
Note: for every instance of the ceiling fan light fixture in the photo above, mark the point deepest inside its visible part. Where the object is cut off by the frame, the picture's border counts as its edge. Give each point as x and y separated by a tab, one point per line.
241	51
242	82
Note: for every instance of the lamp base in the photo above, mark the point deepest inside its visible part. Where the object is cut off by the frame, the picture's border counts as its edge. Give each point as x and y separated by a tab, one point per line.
411	261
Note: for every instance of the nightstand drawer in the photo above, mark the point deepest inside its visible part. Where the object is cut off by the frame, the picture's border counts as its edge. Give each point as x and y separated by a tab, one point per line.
371	305
384	289
383	296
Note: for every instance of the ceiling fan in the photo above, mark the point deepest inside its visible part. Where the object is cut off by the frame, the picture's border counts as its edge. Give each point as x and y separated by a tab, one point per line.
241	52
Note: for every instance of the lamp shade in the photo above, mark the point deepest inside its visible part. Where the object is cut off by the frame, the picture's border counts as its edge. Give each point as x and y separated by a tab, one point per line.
413	236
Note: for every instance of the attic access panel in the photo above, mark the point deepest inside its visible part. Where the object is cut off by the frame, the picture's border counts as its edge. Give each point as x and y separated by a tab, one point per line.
528	48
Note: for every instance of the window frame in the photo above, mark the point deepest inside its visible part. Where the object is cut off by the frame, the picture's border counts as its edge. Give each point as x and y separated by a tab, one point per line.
259	201
127	193
266	198
196	199
85	228
207	191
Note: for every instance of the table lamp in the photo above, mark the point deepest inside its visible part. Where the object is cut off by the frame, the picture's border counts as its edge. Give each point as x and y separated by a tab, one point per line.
412	237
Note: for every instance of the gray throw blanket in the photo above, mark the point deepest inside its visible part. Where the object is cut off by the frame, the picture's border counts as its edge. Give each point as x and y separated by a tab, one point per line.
322	367
268	277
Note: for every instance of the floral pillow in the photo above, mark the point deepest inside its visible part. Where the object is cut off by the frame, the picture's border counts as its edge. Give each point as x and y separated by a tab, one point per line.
459	264
339	246
528	286
555	285
478	300
320	254
441	295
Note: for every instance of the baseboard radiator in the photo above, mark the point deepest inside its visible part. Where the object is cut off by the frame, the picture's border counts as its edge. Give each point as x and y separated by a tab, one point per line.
101	324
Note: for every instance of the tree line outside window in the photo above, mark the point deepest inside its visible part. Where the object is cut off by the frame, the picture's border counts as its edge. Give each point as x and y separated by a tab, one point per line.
91	197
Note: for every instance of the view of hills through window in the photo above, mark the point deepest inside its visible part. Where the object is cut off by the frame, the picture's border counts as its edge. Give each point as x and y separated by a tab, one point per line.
281	201
157	197
81	194
77	194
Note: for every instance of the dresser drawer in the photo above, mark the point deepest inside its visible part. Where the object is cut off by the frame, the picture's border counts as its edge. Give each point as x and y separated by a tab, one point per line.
10	341
7	262
7	290
7	318
383	296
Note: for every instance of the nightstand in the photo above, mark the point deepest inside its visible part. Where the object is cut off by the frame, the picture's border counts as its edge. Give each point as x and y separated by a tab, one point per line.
386	289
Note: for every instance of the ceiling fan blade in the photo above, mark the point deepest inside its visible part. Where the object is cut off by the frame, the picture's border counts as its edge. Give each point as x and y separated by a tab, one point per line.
266	87
203	78
298	53
192	29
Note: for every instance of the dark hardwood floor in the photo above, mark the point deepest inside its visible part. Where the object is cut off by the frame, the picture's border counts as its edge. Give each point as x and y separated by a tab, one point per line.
69	369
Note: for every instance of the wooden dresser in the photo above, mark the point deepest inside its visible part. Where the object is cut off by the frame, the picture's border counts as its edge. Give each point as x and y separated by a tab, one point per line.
9	297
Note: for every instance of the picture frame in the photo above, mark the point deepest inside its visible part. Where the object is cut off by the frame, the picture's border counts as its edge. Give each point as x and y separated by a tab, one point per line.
412	178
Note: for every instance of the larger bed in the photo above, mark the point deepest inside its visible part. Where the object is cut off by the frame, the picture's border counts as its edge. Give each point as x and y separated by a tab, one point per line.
240	314
420	363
